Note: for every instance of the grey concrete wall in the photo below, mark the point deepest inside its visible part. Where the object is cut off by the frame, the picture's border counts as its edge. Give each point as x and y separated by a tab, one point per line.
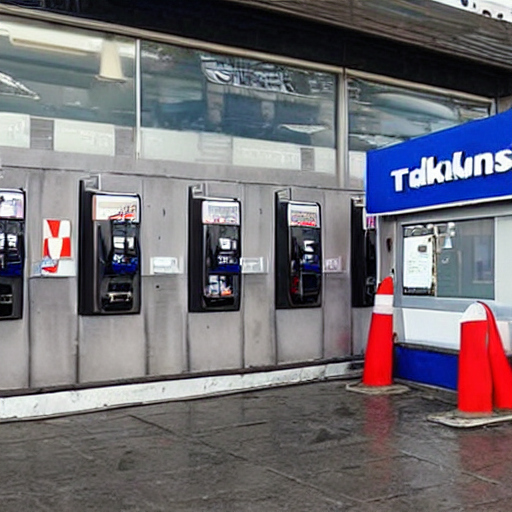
52	345
258	290
337	288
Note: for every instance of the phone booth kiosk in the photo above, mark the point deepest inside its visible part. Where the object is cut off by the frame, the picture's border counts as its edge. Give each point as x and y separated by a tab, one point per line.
109	249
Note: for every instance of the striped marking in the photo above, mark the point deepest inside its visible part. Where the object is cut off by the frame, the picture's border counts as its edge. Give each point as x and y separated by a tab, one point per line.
383	304
474	313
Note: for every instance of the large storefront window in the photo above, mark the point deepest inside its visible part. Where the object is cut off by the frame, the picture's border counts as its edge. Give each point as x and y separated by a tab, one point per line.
55	72
198	106
381	115
82	80
449	259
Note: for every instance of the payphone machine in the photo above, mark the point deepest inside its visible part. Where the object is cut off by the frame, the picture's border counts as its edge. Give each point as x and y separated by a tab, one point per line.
215	278
298	258
12	253
109	249
363	255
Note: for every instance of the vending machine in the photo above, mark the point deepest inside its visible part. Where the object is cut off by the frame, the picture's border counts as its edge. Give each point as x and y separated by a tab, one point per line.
12	253
215	279
298	258
109	250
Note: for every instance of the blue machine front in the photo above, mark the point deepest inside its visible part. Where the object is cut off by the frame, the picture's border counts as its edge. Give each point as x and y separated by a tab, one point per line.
426	366
466	163
11	248
125	258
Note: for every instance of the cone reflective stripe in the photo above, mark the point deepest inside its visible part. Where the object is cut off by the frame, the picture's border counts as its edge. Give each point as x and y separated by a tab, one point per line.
501	373
378	362
474	379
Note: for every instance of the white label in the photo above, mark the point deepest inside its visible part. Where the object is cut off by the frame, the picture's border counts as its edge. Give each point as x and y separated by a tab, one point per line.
333	265
254	265
165	265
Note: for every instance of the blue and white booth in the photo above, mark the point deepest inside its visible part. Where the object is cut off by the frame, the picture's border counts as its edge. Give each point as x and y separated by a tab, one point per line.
444	216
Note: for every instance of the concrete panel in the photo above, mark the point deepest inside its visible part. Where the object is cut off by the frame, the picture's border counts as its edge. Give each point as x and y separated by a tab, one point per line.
111	347
14	352
258	298
259	327
52	195
337	289
360	326
223	189
215	341
53	331
299	334
124	183
164	234
164	222
164	298
337	324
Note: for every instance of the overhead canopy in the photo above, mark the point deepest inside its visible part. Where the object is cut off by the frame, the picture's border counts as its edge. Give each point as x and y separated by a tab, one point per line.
420	22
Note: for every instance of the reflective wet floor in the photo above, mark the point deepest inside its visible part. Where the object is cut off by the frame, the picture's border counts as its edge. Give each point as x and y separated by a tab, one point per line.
314	448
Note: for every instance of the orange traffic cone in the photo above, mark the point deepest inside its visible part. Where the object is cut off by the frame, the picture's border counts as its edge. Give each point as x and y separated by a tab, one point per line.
474	379
501	373
378	362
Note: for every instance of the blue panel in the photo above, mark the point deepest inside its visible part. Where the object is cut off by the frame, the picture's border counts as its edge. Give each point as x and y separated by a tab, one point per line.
426	367
466	163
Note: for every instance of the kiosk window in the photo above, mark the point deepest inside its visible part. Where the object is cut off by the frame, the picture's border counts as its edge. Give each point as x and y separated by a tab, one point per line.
449	259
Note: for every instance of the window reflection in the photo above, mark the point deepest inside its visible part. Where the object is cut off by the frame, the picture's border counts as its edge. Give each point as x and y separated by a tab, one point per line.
188	90
459	261
68	74
381	115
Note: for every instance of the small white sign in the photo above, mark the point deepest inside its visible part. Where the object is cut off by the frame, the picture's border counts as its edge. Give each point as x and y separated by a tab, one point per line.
165	265
256	265
418	261
333	265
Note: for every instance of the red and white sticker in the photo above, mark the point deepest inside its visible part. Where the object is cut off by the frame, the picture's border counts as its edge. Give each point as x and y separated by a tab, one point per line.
56	246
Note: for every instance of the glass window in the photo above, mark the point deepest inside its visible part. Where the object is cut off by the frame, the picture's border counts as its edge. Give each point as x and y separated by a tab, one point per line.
380	115
57	72
289	111
449	259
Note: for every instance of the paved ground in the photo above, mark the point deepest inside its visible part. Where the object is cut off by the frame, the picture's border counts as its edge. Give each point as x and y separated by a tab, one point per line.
314	448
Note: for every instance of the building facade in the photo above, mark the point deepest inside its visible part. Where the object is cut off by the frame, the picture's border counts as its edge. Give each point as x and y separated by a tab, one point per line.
118	120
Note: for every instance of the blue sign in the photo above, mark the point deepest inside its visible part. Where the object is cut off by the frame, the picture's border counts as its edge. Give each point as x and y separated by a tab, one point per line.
467	163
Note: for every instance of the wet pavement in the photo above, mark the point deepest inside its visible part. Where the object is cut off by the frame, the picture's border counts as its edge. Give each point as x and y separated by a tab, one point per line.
311	447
